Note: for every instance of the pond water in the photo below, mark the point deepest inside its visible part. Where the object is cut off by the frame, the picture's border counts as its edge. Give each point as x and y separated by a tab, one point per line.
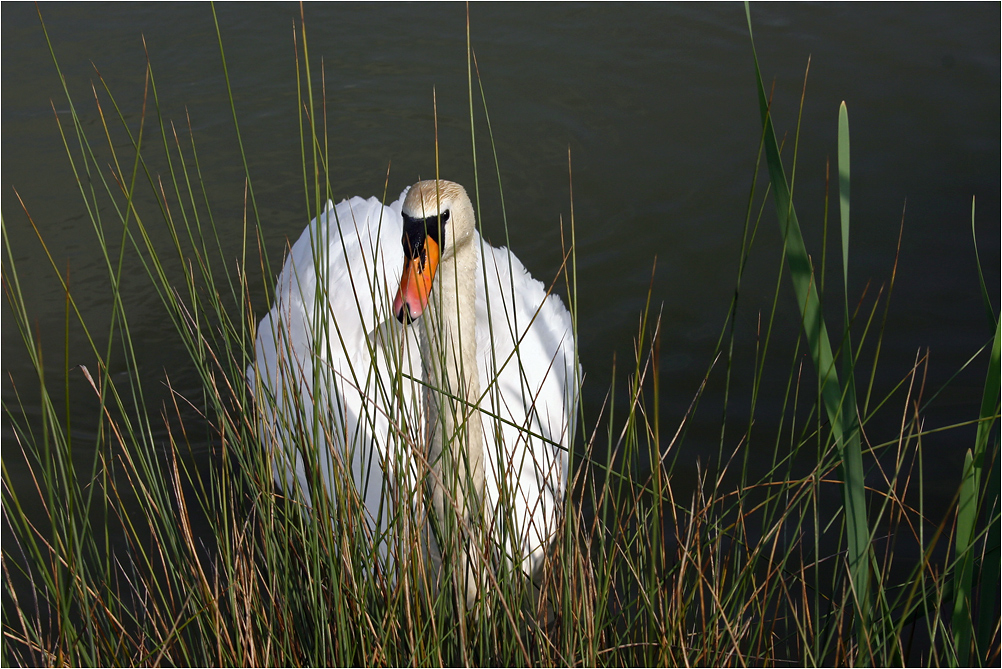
656	106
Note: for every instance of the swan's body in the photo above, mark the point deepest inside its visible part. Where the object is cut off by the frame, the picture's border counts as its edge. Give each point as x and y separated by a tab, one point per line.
332	341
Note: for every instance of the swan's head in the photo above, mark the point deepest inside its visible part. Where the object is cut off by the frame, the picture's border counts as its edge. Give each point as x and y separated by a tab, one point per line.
438	219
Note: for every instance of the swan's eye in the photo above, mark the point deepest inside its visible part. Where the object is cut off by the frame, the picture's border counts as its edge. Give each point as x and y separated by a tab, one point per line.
417	229
436	226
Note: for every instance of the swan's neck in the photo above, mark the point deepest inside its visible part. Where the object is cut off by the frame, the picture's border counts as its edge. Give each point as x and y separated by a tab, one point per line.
449	354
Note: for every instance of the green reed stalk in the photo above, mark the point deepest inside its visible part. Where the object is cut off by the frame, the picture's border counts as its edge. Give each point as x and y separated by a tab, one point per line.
841	413
972	497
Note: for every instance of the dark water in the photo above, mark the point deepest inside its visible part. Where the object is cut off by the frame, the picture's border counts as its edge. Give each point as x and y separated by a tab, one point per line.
657	106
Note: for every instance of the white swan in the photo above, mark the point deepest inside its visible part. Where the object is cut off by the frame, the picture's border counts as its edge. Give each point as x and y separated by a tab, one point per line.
490	337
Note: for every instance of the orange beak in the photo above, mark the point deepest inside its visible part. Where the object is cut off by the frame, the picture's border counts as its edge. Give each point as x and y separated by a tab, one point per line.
415	284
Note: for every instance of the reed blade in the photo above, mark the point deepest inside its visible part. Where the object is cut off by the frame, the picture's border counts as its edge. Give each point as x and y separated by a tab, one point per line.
841	415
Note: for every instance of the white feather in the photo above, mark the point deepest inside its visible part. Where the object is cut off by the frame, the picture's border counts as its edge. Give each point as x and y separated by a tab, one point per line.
339	350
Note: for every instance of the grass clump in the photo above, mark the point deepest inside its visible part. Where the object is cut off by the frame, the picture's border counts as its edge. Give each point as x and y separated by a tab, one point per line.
132	550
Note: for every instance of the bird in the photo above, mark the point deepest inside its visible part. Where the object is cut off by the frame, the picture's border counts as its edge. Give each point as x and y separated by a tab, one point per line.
420	360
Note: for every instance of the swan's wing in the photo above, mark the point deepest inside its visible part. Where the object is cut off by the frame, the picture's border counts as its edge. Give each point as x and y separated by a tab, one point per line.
525	342
328	351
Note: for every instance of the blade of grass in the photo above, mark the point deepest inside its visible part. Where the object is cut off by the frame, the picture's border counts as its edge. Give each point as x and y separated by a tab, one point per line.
968	509
846	437
989	310
848	413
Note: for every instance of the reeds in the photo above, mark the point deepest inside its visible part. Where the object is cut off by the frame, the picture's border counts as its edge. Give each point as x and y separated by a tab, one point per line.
131	550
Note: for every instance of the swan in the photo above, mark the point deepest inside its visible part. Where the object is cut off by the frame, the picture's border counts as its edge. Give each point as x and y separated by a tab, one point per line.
404	343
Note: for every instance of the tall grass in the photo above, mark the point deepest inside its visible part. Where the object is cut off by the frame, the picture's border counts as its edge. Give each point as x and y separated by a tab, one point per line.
129	551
